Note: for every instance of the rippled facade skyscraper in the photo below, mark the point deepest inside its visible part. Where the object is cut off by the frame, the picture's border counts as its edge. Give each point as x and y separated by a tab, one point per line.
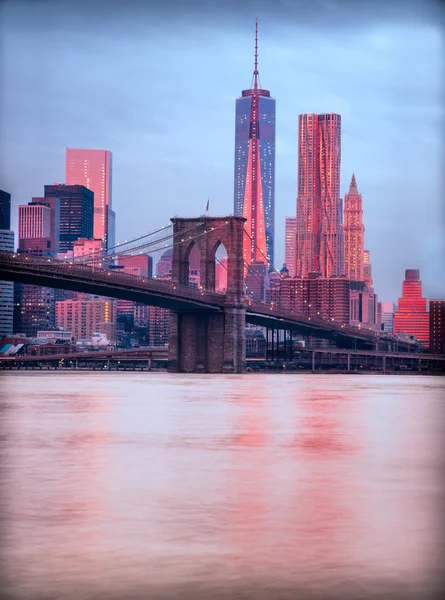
319	206
254	193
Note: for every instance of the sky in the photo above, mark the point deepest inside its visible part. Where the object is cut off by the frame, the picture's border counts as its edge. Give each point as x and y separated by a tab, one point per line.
156	83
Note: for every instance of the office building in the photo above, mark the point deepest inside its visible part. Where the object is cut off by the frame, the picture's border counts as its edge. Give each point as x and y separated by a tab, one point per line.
34	221
363	306
367	268
143	262
6	287
437	326
290	249
86	316
34	309
411	317
319	237
76	212
354	232
93	169
89	251
254	186
387	316
5	210
158	326
164	265
257	282
313	296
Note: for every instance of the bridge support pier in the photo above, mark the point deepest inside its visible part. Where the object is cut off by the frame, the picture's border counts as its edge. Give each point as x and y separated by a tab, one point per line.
207	342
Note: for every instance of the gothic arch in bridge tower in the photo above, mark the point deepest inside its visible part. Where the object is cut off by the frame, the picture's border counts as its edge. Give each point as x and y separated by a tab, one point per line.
209	341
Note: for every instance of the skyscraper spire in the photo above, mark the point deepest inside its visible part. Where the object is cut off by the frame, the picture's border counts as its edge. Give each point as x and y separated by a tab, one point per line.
255	70
353	183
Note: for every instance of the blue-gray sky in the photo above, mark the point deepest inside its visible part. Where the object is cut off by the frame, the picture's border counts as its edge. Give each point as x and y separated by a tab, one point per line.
156	82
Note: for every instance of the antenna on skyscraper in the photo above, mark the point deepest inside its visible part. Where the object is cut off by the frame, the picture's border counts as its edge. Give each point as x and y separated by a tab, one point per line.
256	74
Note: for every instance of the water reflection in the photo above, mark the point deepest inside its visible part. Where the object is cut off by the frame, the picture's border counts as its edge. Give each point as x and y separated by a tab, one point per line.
136	486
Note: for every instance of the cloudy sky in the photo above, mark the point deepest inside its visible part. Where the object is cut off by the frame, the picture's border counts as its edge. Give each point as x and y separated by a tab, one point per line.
155	82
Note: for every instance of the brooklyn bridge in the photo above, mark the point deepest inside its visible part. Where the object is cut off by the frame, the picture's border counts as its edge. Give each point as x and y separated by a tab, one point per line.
207	328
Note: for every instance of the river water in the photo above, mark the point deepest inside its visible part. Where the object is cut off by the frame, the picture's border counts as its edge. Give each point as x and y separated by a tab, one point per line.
122	485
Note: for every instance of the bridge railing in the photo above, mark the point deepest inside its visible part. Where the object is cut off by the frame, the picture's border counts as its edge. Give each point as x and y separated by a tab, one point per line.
25	263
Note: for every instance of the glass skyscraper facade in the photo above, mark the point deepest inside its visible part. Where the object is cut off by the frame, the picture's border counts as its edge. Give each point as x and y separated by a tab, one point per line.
93	169
254	188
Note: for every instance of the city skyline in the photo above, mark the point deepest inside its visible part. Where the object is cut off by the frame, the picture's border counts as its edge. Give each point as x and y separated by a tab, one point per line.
390	189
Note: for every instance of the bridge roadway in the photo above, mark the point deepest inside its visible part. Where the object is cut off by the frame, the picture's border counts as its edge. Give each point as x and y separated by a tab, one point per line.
167	294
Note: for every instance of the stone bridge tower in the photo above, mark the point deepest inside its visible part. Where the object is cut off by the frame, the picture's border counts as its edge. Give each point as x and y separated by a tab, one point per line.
209	341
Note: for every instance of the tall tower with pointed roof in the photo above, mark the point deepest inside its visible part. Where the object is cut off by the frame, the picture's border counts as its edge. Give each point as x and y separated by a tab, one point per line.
254	189
354	232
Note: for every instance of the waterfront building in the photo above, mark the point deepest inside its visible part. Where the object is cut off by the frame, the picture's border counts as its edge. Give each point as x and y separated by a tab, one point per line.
319	239
254	181
86	316
411	317
354	232
5	210
76	213
437	326
6	287
290	248
55	335
93	169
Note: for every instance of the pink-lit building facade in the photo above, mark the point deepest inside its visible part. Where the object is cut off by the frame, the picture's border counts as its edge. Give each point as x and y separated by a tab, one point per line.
254	185
411	316
354	233
319	238
143	262
290	248
93	169
314	296
86	316
89	251
367	268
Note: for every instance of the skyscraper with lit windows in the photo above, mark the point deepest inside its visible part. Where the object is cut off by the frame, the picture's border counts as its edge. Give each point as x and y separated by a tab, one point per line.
319	206
93	169
254	193
290	235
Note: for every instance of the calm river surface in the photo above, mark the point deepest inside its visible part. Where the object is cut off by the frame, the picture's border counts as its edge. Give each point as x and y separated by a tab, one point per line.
255	486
